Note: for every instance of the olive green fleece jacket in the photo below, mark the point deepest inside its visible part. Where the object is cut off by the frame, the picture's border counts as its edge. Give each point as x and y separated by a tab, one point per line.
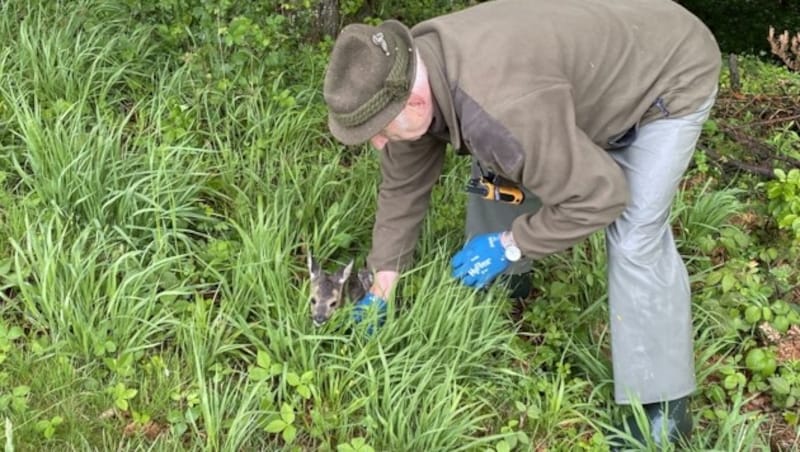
538	91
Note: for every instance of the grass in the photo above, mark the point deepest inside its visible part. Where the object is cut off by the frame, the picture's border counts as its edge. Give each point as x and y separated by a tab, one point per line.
153	234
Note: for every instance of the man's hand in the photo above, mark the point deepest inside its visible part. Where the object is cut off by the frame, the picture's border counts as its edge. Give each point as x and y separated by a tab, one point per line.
371	308
373	304
481	260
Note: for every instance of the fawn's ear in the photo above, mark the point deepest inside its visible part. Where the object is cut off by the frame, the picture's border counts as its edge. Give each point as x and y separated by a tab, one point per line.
313	267
344	273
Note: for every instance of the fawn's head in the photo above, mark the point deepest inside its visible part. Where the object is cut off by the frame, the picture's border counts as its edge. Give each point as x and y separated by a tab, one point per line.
327	290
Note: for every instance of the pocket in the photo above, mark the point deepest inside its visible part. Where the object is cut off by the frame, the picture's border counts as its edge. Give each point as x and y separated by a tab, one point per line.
623	139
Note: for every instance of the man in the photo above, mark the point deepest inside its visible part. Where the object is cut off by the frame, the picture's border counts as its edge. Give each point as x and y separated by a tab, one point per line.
591	107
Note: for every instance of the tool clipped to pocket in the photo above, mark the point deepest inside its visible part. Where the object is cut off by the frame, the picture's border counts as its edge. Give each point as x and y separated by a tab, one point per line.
493	188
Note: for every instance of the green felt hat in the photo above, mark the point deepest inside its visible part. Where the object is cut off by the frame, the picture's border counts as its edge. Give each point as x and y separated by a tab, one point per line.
369	79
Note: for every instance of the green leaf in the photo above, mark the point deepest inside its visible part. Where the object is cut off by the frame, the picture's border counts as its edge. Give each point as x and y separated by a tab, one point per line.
289	434
794	176
293	379
179	429
174	417
304	391
275	426
307	377
780	307
787	221
345	448
21	391
14	333
713	278
756	359
122	404
258	374
18	404
752	314
503	446
287	413
780	385
728	281
781	323
731	382
769	367
263	360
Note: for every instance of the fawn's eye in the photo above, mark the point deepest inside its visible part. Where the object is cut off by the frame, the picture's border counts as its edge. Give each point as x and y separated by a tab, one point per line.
334	303
313	300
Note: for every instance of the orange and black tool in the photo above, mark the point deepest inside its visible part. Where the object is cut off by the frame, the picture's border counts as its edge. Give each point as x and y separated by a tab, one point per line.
494	191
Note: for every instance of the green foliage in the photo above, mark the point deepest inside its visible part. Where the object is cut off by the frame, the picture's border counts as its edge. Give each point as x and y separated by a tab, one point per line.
47	427
784	200
264	368
122	395
513	437
165	169
16	401
7	338
761	361
357	444
741	26
284	424
785	387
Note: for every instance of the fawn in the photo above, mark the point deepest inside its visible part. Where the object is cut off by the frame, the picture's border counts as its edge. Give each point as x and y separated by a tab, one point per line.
329	291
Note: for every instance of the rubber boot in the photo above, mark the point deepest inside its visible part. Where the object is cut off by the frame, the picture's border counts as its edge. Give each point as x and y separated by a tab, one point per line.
519	285
669	421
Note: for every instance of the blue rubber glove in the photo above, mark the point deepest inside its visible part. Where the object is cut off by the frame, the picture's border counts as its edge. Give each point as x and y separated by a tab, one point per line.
480	260
370	307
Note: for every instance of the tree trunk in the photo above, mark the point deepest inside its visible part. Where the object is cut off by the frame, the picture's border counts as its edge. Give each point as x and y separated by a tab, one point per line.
328	19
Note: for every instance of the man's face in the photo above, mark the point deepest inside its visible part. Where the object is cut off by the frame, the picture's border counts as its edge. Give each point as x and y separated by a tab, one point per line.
409	125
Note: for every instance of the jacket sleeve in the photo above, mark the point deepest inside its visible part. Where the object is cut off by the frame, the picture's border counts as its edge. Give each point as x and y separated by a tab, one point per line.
581	187
409	171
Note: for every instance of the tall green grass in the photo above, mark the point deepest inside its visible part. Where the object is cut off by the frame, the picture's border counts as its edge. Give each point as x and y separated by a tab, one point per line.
154	235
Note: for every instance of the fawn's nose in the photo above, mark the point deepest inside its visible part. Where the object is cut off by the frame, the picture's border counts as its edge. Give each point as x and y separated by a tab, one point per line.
319	319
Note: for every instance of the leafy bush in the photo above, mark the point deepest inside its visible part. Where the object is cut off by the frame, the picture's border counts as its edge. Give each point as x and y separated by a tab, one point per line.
784	200
741	26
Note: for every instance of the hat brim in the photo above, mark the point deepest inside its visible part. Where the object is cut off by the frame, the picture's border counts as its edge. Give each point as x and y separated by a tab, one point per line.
362	133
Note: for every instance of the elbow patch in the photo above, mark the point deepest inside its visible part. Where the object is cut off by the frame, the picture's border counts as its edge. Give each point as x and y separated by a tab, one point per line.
488	139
